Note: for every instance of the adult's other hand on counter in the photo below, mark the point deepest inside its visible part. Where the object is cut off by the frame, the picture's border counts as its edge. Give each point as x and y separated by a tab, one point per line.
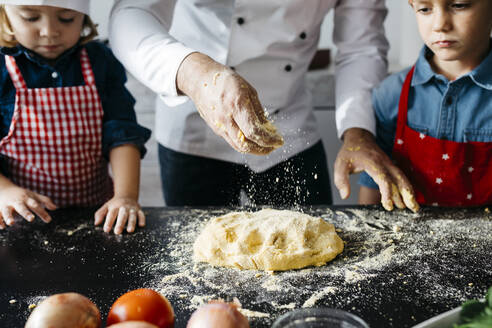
228	103
361	153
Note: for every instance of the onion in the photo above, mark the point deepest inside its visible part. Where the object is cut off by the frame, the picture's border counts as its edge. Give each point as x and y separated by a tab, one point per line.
218	314
133	324
68	310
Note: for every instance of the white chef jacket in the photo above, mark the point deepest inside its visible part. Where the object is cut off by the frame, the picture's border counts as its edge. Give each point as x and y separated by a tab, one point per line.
268	42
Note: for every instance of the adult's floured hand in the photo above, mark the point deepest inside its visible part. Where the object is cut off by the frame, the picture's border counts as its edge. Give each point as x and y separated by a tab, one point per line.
361	153
229	105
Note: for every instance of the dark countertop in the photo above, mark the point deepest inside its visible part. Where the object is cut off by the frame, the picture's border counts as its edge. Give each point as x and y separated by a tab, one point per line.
396	269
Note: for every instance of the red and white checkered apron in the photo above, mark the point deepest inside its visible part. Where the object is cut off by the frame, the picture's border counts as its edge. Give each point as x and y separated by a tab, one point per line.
443	172
54	143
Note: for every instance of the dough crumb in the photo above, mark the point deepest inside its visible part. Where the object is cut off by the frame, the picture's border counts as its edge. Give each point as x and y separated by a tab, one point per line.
216	75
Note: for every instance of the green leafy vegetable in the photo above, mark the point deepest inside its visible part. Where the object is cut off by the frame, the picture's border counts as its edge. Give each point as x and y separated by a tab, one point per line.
476	314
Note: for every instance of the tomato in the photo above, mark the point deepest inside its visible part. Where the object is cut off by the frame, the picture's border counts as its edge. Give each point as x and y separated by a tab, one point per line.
142	305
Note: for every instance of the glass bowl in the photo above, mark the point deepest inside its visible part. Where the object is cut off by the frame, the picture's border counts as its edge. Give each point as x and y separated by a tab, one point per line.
319	318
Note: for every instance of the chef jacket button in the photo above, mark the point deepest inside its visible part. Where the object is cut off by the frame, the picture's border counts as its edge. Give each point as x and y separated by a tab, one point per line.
449	101
240	21
288	68
302	35
54	75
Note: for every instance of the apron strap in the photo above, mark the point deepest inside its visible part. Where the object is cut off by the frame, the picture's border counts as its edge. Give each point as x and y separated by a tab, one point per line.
403	104
85	64
20	83
15	74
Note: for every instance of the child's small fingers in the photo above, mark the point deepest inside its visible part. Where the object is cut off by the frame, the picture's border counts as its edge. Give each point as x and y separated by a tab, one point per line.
132	220
100	214
23	211
110	219
36	207
8	216
47	202
141	218
121	220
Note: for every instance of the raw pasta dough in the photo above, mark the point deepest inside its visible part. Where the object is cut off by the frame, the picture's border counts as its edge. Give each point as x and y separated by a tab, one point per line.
271	240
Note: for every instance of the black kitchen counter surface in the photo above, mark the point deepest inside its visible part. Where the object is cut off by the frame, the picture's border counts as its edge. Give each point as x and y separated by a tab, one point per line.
397	269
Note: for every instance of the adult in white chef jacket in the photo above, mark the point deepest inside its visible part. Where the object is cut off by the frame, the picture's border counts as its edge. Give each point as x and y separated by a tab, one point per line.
197	56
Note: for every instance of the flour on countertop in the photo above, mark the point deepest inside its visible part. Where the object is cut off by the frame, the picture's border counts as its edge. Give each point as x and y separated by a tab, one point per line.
377	244
310	302
372	244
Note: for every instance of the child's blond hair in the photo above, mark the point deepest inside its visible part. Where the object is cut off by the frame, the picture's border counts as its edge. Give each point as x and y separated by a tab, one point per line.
7	38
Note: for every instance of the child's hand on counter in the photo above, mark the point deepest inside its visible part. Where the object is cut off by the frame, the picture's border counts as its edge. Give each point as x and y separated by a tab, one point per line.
124	211
26	203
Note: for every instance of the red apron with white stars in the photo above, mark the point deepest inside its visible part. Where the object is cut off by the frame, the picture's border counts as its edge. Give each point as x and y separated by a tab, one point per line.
443	172
54	142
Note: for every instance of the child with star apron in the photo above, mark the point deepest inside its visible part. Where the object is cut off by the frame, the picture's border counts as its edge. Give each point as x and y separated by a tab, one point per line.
443	172
434	120
53	154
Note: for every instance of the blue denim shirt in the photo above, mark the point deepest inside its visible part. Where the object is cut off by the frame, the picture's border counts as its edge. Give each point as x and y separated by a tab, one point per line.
459	110
119	119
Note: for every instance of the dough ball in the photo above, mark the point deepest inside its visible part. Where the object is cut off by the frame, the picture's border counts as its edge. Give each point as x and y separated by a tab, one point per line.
270	240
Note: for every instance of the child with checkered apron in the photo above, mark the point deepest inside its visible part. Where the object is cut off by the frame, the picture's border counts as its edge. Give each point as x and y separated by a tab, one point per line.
434	119
64	113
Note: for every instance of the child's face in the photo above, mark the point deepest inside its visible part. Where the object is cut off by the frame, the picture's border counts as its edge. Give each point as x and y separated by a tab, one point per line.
455	30
46	30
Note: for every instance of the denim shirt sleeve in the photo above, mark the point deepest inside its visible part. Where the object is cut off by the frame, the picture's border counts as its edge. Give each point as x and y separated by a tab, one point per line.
7	100
385	99
120	125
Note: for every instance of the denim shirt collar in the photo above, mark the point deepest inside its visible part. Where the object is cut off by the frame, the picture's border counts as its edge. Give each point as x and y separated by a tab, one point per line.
34	57
423	71
480	75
